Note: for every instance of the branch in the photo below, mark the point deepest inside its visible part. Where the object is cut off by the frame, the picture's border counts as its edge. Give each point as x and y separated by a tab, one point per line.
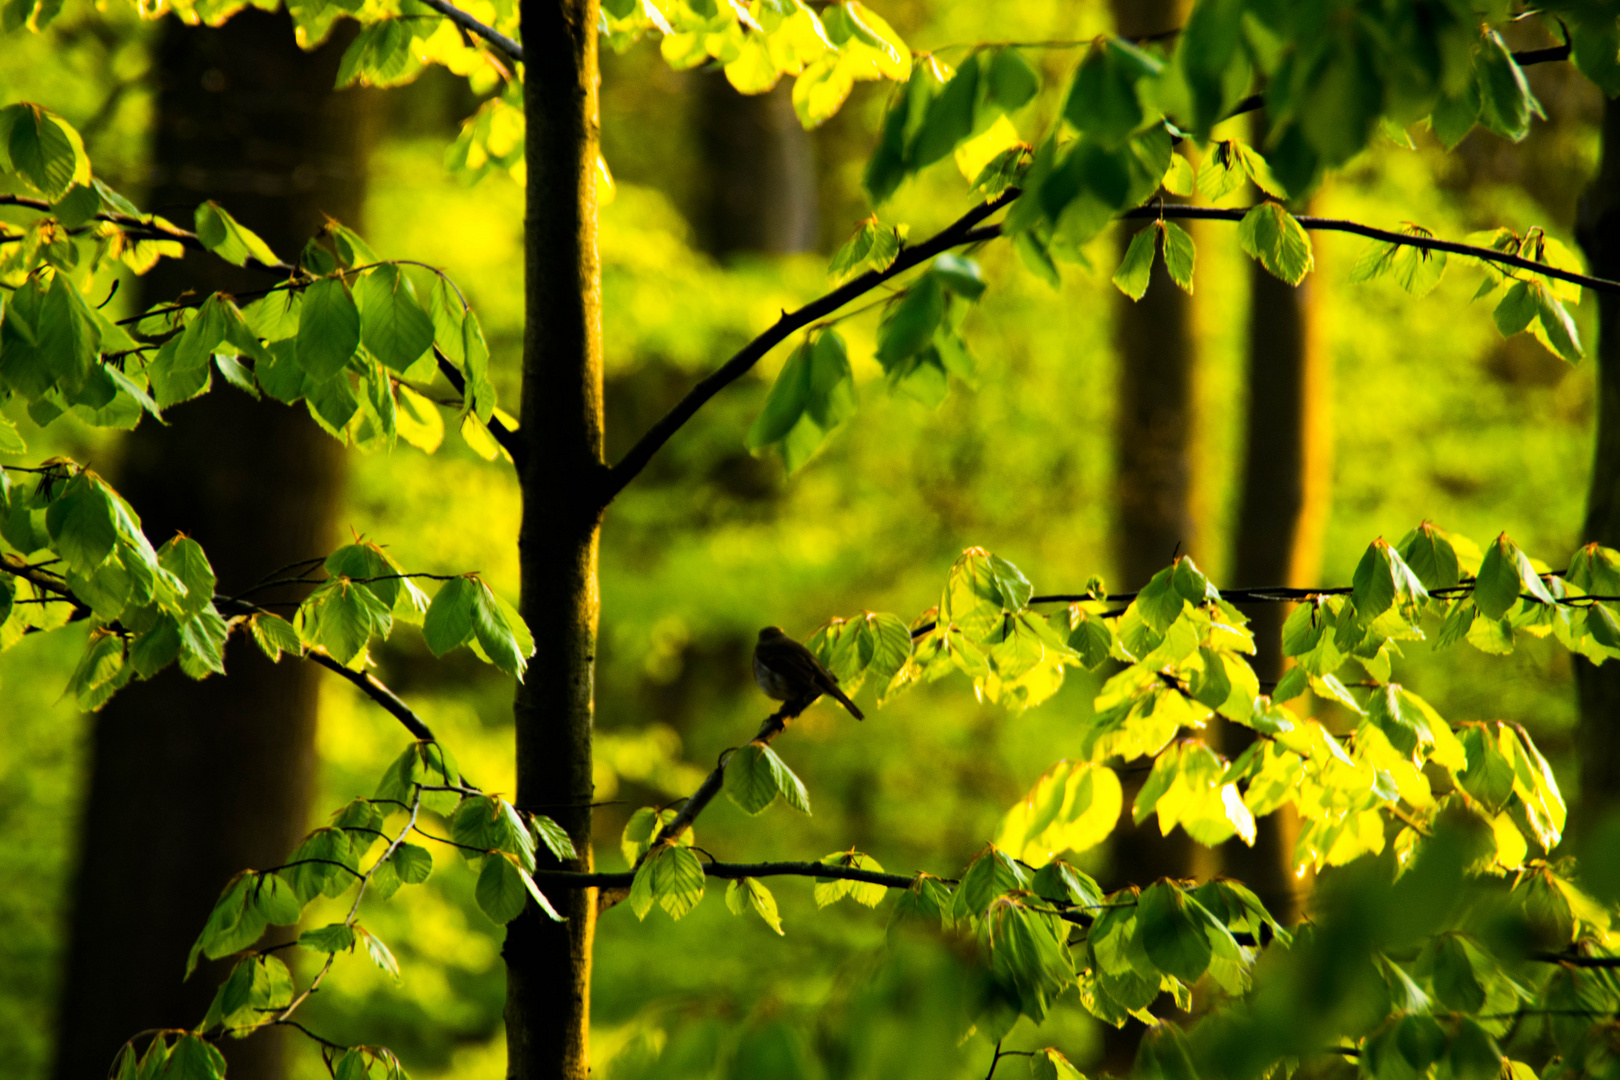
1427	243
773	726
961	231
967	230
568	879
150	229
504	435
473	26
1572	960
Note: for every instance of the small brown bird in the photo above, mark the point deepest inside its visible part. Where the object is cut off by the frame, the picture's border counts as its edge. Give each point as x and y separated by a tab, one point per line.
787	671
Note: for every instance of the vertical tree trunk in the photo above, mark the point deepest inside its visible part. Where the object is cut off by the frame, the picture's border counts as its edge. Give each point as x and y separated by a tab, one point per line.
1153	442
548	963
1598	229
191	782
1153	435
1286	475
1153	479
757	183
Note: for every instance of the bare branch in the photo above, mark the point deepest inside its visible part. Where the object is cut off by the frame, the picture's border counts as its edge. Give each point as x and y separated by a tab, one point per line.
473	26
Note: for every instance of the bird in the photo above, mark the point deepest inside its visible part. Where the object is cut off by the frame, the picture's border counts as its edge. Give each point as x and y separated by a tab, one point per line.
787	671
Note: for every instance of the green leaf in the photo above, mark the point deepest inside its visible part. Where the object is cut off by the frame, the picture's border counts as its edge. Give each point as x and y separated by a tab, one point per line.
949	117
393	326
675	879
755	775
786	403
908	326
553	836
412	863
42	149
829	890
1517	308
379	953
1429	552
500	632
747	892
1270	234
1073	807
194	1059
873	247
961	276
1180	256
501	893
335	938
229	239
451	616
1504	573
1137	266
183	557
328	329
1050	1064
1010	79
1103	101
1505	100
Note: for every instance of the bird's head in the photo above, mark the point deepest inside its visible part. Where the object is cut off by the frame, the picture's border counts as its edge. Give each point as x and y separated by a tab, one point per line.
770	633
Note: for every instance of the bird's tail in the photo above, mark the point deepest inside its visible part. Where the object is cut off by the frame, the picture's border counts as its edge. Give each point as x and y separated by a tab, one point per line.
843	699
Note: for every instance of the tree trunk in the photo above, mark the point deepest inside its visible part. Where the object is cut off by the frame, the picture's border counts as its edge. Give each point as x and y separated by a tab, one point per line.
1153	434
1153	442
1153	480
757	183
548	963
1286	478
193	781
1598	229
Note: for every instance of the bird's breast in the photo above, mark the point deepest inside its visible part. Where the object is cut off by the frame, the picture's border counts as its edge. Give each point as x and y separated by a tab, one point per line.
774	685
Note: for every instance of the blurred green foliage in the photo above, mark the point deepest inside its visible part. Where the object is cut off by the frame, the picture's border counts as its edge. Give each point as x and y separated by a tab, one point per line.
1434	417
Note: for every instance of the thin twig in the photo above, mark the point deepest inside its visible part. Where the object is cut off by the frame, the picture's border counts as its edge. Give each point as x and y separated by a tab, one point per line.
473	26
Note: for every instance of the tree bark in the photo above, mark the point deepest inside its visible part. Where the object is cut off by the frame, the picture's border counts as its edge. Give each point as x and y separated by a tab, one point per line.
549	963
1153	435
1286	479
192	781
1598	230
757	181
1153	486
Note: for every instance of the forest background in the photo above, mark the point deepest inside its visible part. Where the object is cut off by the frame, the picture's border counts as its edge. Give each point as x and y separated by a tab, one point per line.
1432	415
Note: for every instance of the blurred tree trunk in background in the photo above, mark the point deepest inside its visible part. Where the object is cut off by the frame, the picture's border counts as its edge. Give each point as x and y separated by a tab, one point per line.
756	184
1153	437
1287	474
1598	229
193	781
1153	506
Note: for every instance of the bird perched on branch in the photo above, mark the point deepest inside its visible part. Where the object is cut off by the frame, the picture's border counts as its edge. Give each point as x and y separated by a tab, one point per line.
787	671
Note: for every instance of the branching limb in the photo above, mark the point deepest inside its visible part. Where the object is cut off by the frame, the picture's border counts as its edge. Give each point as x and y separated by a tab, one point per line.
568	879
968	230
473	26
962	231
146	229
